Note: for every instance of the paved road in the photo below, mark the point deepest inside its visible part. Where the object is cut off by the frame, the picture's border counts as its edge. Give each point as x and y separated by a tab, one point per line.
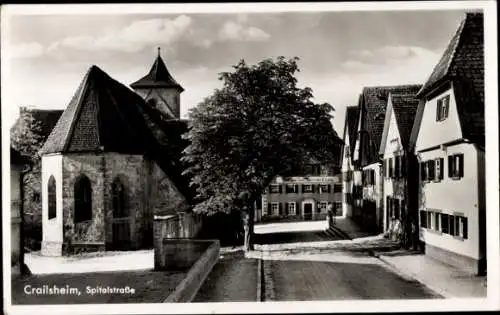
233	279
341	278
293	232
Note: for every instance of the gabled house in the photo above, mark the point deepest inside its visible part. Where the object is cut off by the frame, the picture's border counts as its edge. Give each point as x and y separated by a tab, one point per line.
398	167
105	172
368	195
347	165
449	139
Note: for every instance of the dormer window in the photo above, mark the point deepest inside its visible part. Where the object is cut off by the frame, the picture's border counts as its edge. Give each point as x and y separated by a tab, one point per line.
443	105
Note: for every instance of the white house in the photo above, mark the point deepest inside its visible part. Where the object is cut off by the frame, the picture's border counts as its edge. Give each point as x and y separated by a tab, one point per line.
450	150
347	166
396	172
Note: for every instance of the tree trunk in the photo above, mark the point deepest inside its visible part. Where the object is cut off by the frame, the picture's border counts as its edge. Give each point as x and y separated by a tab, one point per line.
249	229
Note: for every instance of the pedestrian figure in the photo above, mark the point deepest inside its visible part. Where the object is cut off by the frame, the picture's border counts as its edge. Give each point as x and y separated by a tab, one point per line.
329	210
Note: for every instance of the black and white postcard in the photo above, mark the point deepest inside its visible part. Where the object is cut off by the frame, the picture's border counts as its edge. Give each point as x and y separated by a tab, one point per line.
250	157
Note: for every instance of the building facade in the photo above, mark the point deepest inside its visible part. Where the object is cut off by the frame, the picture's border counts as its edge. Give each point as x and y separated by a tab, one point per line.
104	169
347	165
451	153
396	173
372	105
302	198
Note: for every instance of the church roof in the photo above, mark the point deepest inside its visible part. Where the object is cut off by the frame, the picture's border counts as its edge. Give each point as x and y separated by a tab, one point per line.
102	116
405	108
462	63
158	77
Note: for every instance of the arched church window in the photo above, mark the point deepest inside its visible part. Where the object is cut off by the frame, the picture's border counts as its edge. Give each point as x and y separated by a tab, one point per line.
51	192
118	190
83	199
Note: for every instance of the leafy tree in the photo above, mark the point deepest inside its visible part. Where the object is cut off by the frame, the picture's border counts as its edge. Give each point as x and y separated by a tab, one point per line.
257	126
27	138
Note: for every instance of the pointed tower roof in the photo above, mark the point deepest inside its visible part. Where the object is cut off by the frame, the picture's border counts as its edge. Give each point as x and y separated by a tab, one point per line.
158	77
102	116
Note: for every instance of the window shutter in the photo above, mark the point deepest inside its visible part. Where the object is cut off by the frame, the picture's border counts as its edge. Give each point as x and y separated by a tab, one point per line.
329	187
295	188
461	165
269	208
438	109
314	188
391	170
303	188
441	168
450	166
452	225
446	106
464	220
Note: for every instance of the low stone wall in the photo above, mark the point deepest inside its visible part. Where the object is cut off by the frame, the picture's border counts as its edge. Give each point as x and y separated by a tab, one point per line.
189	252
181	225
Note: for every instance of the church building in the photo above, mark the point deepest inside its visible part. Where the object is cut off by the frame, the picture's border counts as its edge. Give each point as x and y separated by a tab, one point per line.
112	162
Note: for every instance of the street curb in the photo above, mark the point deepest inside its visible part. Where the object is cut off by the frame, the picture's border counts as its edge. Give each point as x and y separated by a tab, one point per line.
437	291
260	279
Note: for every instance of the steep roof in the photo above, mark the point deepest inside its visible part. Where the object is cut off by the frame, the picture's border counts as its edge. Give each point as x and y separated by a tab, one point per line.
373	103
158	77
405	109
102	116
168	134
462	63
351	119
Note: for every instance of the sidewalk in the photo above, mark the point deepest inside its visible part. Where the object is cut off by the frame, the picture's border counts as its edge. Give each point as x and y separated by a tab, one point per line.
351	228
446	280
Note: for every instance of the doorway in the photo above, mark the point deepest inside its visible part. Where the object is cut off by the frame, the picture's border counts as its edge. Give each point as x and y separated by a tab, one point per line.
308	211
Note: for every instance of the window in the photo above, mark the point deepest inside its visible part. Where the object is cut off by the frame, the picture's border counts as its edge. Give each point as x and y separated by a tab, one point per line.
337	188
429	219
461	227
274	189
118	191
308	188
443	105
325	188
51	193
368	177
291	208
437	221
445	227
397	166
456	166
291	188
83	199
391	170
431	174
275	210
265	208
423	171
439	169
423	218
322	206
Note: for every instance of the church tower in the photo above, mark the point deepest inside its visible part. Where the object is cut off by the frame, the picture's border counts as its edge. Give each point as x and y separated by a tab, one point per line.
159	89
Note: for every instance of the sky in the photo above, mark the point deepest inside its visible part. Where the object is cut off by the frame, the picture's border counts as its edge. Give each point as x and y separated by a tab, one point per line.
340	52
